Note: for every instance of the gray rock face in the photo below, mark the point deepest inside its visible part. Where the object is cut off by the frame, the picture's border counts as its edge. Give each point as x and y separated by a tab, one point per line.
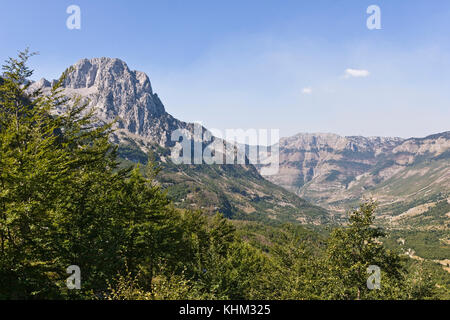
306	157
333	170
327	141
115	91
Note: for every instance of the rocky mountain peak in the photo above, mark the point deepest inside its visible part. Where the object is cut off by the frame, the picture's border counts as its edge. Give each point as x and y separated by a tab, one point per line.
115	91
103	72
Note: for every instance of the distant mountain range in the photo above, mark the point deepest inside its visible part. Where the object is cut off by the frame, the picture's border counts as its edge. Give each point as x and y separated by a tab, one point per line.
329	170
337	172
143	125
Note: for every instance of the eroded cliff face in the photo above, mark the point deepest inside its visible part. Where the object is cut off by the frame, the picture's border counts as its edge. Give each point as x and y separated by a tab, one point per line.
116	92
335	171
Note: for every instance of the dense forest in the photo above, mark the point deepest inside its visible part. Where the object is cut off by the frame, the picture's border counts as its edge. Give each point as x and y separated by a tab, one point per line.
65	199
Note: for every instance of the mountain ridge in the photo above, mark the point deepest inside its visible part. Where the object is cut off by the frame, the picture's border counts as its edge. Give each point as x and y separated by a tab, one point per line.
336	171
327	169
143	126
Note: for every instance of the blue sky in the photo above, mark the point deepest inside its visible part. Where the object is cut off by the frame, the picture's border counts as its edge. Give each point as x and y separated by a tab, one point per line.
260	63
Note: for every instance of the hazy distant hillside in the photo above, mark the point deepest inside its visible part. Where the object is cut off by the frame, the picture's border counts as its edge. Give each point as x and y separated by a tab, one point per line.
337	172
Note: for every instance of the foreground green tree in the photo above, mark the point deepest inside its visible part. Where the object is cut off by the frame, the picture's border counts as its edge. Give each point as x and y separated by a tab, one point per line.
63	199
350	252
298	270
338	267
30	167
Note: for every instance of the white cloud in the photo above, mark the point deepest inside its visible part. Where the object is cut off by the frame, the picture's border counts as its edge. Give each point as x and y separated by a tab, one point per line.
356	73
307	90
